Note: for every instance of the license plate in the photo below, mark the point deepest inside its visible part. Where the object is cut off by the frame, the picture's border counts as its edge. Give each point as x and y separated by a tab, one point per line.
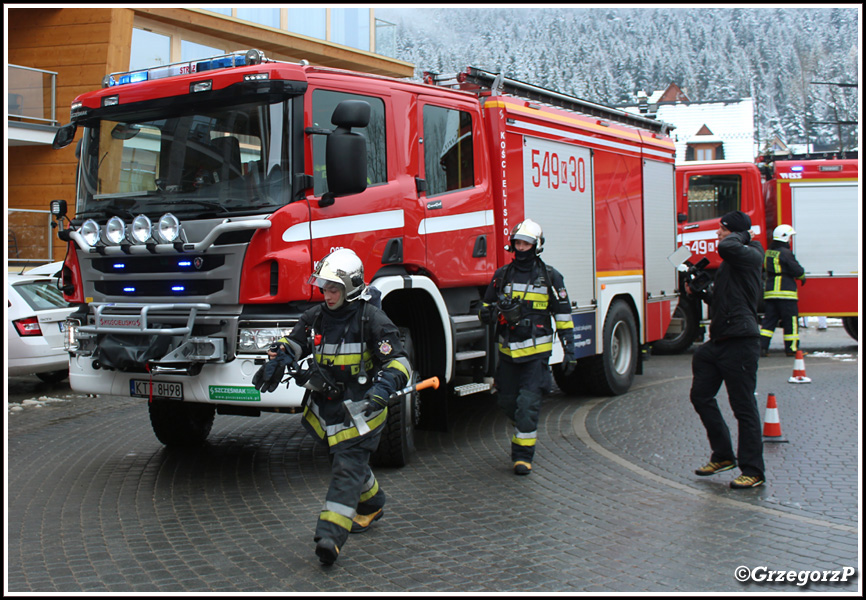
140	388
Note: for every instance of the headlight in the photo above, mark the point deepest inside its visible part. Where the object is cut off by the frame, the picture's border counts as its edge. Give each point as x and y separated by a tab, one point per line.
140	230
259	339
115	230
168	228
90	232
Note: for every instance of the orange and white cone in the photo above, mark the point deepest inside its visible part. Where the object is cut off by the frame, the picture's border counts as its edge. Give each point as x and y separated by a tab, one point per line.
799	375
772	426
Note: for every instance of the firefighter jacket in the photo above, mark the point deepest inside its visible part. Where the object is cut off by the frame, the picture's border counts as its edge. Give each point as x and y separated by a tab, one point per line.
782	271
539	291
358	348
736	288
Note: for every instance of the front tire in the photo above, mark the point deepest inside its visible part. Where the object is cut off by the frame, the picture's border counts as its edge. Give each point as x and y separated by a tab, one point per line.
612	373
181	424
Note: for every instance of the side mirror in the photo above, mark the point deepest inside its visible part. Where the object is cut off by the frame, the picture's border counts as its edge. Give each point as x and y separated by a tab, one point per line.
682	217
64	136
346	152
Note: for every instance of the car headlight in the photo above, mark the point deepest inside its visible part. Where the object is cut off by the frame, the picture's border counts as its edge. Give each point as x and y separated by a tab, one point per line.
141	229
259	339
90	232
115	230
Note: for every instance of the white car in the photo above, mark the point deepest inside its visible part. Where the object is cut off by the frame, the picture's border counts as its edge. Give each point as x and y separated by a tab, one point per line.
36	321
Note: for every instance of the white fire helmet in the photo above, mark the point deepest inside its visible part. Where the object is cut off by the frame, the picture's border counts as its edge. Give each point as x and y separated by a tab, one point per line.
783	233
528	231
344	268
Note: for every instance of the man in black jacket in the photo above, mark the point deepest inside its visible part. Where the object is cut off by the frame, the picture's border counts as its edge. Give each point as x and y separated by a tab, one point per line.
731	355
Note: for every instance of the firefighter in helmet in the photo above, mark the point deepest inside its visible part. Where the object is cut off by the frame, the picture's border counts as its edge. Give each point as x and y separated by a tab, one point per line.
780	291
357	362
521	299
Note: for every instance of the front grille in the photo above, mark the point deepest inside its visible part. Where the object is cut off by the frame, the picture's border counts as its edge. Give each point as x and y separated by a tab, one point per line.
179	288
130	265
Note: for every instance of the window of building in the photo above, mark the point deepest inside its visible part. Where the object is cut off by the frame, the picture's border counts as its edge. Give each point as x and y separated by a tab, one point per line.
262	16
149	49
193	51
448	156
711	196
310	21
351	27
324	103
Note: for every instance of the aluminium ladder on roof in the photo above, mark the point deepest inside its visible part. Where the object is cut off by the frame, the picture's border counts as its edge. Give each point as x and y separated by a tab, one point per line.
474	78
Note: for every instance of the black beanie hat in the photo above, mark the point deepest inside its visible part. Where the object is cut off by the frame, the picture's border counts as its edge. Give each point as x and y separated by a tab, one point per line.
737	221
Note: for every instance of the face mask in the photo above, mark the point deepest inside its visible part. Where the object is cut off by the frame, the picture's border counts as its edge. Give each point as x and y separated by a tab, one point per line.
524	256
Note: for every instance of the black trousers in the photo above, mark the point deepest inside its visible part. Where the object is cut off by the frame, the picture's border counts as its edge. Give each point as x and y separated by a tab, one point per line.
786	312
734	362
520	388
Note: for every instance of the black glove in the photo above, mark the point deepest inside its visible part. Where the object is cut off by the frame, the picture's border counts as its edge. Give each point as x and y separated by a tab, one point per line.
487	314
569	363
375	403
803	282
377	396
270	374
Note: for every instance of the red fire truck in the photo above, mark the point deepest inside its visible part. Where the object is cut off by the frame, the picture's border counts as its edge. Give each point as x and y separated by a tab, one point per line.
207	191
818	197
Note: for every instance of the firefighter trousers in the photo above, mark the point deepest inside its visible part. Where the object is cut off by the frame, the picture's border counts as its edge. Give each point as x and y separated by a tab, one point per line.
353	490
521	387
734	362
786	312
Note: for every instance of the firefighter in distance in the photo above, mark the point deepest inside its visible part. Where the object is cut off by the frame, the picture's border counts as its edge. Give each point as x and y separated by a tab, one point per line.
521	299
780	291
346	406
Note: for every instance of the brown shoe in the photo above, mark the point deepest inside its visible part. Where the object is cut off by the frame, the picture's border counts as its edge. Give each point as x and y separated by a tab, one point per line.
711	468
746	481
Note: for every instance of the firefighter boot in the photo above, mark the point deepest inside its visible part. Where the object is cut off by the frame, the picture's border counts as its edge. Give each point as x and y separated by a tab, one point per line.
525	431
327	551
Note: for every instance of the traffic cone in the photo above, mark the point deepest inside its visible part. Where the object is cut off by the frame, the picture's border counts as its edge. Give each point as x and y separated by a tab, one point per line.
799	375
772	427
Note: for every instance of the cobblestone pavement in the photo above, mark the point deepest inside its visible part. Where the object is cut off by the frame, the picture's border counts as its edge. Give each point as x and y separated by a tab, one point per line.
96	504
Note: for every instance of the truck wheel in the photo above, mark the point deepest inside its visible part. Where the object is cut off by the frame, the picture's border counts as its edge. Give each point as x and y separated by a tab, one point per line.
612	373
397	444
678	342
850	324
181	424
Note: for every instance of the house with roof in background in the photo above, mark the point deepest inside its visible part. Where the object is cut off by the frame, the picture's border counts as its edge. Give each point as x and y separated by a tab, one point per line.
706	130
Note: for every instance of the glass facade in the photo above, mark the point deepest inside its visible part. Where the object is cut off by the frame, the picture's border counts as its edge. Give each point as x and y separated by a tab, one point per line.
149	49
312	22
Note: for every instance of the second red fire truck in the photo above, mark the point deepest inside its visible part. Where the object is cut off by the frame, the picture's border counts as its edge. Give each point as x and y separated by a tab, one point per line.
818	196
208	190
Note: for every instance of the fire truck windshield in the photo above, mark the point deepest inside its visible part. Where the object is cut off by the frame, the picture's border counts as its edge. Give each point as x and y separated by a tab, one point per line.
230	160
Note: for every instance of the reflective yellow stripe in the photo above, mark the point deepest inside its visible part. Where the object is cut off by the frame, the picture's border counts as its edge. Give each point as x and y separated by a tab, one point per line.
337	519
520	352
780	295
523	441
314	422
371	492
352	432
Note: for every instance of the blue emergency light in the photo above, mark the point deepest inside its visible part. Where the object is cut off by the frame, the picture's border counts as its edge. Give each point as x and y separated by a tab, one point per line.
797	168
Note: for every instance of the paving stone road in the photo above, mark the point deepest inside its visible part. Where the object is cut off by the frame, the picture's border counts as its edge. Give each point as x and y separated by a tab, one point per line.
96	504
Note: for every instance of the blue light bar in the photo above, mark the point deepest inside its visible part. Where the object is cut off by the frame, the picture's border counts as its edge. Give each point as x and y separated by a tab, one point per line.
129	290
133	78
119	265
797	168
178	288
184	263
221	63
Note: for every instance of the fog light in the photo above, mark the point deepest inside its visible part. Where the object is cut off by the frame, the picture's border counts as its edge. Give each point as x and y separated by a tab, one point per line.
141	229
90	232
168	228
115	230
